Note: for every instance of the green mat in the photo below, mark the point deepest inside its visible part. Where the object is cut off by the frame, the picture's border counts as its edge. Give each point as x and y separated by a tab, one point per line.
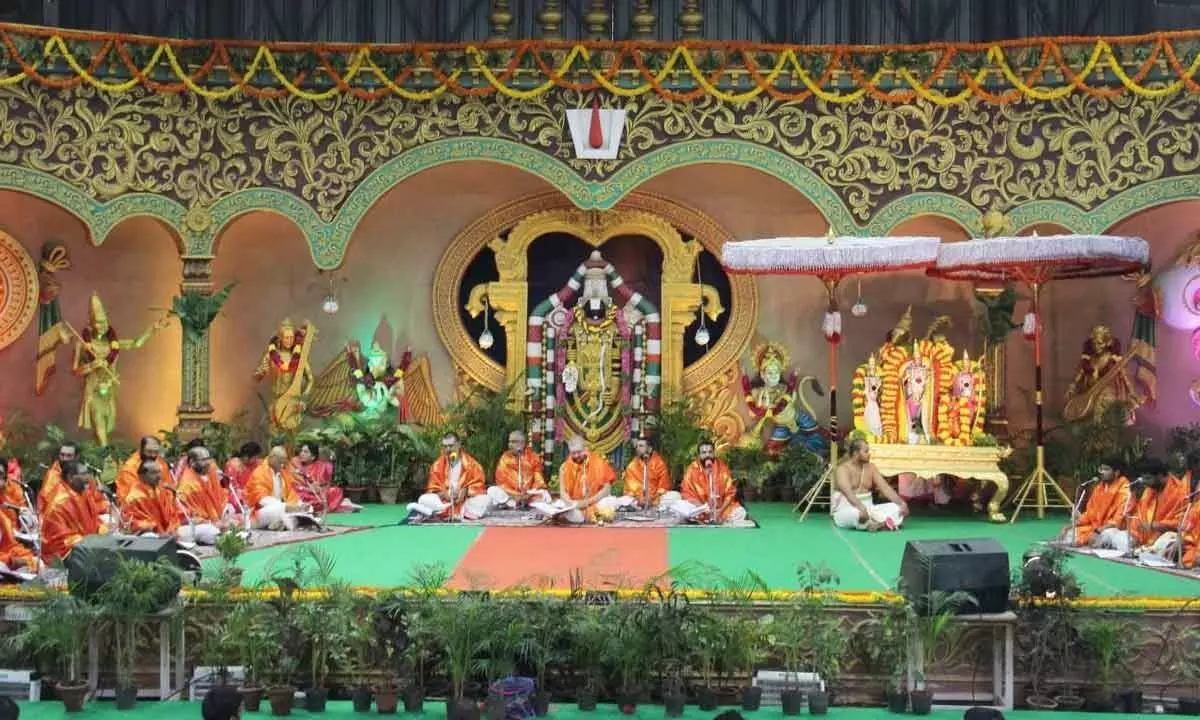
191	711
387	554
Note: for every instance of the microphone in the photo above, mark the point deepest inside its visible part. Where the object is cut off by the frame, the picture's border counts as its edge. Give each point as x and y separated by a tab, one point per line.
1093	481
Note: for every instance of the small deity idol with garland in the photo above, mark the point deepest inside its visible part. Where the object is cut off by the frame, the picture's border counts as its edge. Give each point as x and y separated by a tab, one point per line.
97	348
773	402
363	389
286	362
1101	378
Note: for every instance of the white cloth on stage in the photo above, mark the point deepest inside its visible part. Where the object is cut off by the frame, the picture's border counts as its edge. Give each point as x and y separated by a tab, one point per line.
845	515
200	533
502	500
429	504
577	516
273	515
666	503
686	511
1121	540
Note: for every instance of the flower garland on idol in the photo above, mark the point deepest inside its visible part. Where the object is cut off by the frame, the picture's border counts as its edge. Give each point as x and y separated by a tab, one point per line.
110	337
293	363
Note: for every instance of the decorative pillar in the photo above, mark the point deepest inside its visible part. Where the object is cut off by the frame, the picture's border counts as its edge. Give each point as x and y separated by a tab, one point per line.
680	301
691	21
598	20
550	18
643	21
501	19
993	357
195	411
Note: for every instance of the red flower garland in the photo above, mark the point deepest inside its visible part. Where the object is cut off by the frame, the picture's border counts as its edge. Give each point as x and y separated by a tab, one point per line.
114	345
277	360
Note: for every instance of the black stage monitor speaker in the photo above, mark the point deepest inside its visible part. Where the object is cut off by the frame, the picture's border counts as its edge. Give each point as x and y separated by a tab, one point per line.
976	566
94	560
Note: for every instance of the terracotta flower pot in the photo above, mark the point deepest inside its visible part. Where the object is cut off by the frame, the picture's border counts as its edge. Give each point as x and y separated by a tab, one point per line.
251	697
281	698
72	695
387	699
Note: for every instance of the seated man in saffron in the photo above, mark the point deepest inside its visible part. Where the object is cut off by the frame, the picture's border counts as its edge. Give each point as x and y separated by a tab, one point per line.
150	508
315	475
457	487
585	481
271	494
853	504
238	469
14	555
204	500
53	477
519	479
1099	524
148	449
70	515
647	480
16	503
1153	526
708	490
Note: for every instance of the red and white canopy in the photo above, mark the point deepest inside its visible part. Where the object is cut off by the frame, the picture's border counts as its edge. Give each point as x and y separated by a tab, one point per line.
1039	259
830	257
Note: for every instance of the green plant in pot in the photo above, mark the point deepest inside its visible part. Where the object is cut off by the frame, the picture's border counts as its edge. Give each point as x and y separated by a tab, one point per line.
327	625
829	647
546	644
789	634
1107	643
880	646
55	637
505	636
710	645
588	635
255	638
629	647
934	628
811	610
463	625
135	591
1186	668
746	635
1043	589
230	546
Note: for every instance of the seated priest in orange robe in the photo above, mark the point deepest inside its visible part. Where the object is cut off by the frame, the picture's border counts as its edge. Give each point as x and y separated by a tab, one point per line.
271	494
1099	524
71	514
1189	528
205	502
519	479
647	480
150	507
457	486
1154	523
585	482
14	555
238	469
315	476
53	477
709	493
16	502
148	449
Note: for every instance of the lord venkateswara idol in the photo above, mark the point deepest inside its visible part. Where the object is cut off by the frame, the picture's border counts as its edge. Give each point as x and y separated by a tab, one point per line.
593	360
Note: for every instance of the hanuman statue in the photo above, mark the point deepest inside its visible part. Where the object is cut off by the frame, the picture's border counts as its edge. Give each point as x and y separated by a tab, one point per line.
286	361
97	348
778	404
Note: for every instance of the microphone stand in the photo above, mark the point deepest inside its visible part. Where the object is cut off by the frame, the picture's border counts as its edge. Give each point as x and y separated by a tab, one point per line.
35	521
1075	510
186	513
1181	535
240	505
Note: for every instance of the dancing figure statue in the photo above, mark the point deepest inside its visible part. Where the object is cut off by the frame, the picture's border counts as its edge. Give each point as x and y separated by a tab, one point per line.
97	348
286	362
782	412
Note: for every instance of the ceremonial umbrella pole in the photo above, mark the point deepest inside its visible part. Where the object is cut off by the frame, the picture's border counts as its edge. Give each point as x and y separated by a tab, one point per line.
1035	261
830	259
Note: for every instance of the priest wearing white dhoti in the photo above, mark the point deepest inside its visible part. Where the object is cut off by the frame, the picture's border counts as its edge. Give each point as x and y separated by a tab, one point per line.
855	482
456	488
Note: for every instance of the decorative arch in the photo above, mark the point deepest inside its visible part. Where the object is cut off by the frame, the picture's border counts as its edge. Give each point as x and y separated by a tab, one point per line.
661	220
211	224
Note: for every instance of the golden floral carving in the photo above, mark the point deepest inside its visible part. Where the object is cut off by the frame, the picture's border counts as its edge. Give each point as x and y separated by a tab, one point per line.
718	402
1080	149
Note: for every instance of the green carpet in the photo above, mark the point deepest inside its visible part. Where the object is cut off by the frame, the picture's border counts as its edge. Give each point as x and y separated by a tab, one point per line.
191	711
386	554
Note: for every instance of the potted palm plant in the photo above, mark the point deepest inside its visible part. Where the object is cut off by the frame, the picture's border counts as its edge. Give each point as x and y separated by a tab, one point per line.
256	639
589	633
629	647
464	624
880	645
747	649
126	601
1186	668
549	625
829	643
56	635
709	644
1107	642
327	626
934	627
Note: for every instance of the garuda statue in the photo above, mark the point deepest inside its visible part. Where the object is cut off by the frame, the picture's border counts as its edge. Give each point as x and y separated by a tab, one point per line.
355	388
783	415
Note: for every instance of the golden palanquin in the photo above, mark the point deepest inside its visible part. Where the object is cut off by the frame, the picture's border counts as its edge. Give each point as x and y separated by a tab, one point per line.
923	412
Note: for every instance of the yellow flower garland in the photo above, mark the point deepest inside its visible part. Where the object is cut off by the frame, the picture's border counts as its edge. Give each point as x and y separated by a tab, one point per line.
597	64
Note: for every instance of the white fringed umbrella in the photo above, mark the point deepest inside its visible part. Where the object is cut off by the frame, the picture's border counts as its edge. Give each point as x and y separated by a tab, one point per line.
1036	260
832	259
